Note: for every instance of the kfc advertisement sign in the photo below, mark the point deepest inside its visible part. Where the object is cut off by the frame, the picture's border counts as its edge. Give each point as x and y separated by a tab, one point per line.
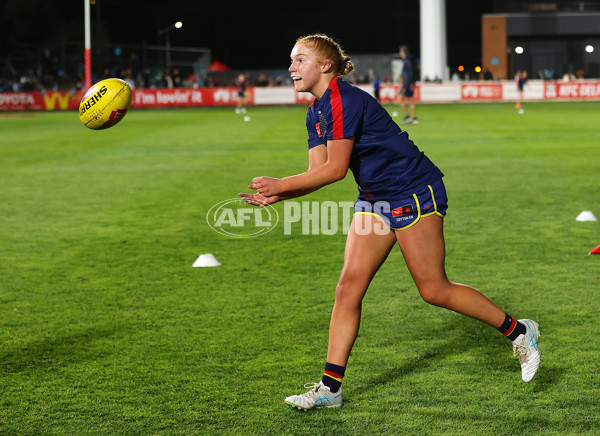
572	90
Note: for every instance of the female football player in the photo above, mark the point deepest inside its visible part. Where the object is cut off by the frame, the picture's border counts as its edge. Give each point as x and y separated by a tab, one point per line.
399	186
521	79
241	88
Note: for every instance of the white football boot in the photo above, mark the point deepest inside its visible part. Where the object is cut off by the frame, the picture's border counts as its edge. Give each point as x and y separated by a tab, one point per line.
318	396
526	347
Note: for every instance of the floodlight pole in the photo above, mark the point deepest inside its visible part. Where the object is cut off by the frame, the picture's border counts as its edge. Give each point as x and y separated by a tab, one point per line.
434	55
87	52
168	49
166	31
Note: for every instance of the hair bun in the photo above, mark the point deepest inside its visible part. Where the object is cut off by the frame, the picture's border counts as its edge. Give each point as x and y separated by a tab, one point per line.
344	63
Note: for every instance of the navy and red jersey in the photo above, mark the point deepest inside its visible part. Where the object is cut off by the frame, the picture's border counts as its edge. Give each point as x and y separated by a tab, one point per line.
241	87
408	72
386	164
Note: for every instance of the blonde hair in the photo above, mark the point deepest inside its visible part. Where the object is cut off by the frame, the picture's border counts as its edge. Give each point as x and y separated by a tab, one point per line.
327	48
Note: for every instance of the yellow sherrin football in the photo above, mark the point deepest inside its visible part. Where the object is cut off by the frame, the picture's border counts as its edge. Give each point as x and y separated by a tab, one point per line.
105	104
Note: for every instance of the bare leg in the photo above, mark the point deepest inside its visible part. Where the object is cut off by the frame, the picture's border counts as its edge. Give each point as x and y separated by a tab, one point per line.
402	104
365	252
413	107
424	251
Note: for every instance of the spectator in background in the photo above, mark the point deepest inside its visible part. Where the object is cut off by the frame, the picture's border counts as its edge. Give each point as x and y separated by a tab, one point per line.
106	74
9	76
376	86
407	88
166	80
487	74
136	66
127	76
6	86
48	69
262	80
27	83
177	81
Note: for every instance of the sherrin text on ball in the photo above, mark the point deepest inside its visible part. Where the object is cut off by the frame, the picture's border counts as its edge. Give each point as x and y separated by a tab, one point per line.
105	104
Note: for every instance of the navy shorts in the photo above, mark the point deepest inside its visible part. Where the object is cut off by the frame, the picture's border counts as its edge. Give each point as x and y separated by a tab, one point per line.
406	90
405	212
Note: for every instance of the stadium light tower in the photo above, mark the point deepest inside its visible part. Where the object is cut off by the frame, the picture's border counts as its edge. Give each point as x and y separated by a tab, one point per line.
166	31
434	62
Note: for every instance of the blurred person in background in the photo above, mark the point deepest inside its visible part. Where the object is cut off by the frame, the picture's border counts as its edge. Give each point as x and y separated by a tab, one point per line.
407	89
376	86
241	88
521	79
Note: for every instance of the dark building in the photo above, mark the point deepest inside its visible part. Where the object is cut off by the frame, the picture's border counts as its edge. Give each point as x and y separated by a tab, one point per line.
547	39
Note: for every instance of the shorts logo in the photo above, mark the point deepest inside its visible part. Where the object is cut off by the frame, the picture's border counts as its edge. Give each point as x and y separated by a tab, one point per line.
404	210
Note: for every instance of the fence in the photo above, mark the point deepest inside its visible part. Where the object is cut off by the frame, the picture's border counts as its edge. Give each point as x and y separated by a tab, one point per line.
447	92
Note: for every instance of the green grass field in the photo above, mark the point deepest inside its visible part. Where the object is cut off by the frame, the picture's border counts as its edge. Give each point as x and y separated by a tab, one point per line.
106	328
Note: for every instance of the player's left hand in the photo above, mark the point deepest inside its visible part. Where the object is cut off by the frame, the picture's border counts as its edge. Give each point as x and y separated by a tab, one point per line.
267	186
257	199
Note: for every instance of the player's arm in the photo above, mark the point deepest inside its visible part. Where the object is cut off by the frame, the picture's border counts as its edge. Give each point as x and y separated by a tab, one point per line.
326	165
317	157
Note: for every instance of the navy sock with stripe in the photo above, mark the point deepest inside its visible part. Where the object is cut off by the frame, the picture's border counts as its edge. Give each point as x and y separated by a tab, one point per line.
511	328
332	376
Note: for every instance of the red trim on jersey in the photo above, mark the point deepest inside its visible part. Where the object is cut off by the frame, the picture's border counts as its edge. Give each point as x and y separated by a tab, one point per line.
337	110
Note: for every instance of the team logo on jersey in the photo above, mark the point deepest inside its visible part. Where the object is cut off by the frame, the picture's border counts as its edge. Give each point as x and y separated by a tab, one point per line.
404	210
322	126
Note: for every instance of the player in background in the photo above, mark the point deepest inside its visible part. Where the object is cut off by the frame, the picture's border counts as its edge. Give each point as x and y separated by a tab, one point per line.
376	86
241	88
406	98
521	79
402	200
